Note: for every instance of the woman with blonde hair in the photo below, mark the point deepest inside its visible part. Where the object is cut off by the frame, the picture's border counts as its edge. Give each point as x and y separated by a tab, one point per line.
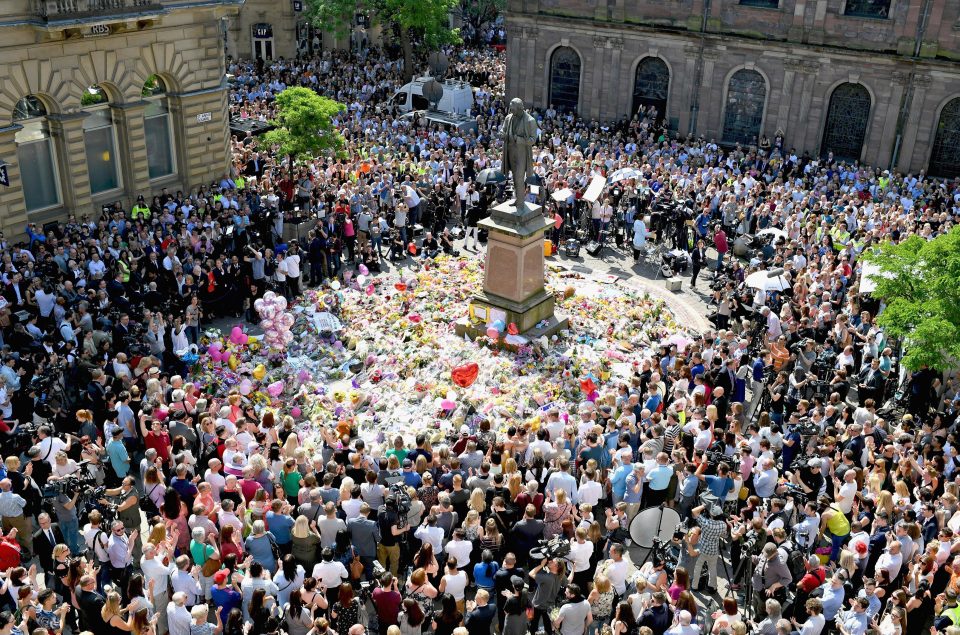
304	542
885	503
510	468
478	501
601	602
514	485
877	477
111	614
555	512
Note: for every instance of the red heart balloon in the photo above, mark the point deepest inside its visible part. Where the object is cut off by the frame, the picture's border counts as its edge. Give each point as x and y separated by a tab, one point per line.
587	385
400	287
465	375
512	329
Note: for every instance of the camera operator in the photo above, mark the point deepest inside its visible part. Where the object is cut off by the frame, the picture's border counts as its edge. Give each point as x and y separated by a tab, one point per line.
771	577
128	510
713	528
393	530
12	508
810	477
548	577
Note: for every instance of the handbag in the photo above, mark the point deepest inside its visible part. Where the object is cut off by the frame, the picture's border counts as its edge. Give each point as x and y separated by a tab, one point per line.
356	567
210	566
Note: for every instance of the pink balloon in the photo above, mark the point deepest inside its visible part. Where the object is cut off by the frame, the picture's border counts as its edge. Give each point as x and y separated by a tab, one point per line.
370	289
275	389
295	412
448	404
493	333
364	271
244	338
246	387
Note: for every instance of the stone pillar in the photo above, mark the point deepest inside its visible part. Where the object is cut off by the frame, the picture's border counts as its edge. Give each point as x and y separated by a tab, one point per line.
616	81
206	141
711	98
688	90
131	141
812	128
591	83
515	45
911	129
72	155
530	65
782	122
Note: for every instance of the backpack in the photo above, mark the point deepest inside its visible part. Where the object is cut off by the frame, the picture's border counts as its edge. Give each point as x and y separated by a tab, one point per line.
796	562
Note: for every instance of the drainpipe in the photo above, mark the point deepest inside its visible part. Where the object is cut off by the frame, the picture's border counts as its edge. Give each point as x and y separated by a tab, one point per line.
908	91
698	70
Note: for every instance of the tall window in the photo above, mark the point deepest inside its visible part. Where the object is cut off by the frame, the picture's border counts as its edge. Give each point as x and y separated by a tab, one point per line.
651	85
847	119
36	155
867	8
158	129
945	157
746	98
99	140
565	78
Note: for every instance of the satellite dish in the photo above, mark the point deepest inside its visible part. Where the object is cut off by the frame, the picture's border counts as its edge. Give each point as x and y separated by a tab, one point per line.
438	64
654	522
433	91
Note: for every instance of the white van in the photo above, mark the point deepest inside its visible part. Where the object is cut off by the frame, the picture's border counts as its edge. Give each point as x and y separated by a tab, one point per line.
457	97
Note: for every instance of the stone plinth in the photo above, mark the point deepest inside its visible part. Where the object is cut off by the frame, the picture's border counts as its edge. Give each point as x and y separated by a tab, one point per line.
513	274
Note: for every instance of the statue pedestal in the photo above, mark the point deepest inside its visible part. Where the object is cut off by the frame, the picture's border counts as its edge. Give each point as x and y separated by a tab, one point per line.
513	288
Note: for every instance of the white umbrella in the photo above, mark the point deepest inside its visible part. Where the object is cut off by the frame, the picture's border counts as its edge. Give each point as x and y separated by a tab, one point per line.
768	280
773	231
623	174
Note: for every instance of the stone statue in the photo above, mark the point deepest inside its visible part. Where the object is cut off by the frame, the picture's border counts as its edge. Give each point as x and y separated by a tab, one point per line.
519	133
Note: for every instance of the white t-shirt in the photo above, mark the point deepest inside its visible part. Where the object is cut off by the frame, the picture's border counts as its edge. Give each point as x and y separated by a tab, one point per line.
460	549
330	574
456	584
49	448
580	554
847	492
293	266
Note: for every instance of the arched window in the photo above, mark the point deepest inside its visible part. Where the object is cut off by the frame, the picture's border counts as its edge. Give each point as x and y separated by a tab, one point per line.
651	85
746	98
847	119
100	142
565	78
945	157
157	128
36	155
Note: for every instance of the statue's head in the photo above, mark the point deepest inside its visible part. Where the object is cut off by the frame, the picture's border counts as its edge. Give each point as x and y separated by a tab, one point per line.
516	106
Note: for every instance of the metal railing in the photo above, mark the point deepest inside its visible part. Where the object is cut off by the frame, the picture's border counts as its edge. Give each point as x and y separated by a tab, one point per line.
64	9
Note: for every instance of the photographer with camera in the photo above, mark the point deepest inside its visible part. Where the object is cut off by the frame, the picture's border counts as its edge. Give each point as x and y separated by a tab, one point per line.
392	522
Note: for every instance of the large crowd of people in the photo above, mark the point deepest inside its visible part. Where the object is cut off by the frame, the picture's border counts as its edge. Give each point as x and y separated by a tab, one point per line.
817	492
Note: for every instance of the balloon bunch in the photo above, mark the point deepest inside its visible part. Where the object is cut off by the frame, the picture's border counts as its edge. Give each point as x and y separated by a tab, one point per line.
495	329
221	356
238	337
275	320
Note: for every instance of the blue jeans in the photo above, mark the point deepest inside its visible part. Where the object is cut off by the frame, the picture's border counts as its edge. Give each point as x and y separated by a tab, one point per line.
193	334
836	544
71	535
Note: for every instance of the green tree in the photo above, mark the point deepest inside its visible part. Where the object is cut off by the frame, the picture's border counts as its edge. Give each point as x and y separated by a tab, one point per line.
427	19
919	280
478	13
304	125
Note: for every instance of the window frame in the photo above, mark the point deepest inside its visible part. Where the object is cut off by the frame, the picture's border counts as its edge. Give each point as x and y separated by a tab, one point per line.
92	110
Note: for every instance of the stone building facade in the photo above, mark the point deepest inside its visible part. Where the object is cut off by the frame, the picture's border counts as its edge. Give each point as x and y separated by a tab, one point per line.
869	80
103	100
273	29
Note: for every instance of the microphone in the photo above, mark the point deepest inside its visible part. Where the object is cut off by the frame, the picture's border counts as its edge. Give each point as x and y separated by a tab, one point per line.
775	273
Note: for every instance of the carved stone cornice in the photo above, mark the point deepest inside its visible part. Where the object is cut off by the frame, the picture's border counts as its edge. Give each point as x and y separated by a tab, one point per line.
531	32
922	80
794	65
600	42
616	43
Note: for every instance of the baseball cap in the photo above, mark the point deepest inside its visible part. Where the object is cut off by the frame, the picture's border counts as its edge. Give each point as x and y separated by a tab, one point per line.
464	429
220	576
815	463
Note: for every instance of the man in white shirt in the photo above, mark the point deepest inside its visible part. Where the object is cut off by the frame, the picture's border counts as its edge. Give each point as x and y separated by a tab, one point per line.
155	571
50	445
328	572
185	582
215	477
178	617
890	560
429	532
683	625
460	548
846	492
618	569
